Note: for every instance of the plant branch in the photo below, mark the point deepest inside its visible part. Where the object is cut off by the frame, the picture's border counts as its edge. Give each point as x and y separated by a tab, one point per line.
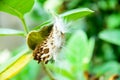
24	25
47	71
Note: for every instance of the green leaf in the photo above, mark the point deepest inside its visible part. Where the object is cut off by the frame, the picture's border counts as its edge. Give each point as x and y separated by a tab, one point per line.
36	37
16	7
61	71
109	68
29	70
47	23
10	32
69	16
3	67
113	21
88	56
14	65
108	52
91	45
112	36
76	14
77	45
78	51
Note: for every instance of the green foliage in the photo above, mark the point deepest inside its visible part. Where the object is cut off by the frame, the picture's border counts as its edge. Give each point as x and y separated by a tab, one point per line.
113	21
80	55
29	70
76	14
10	62
14	65
10	32
92	44
16	7
111	36
112	67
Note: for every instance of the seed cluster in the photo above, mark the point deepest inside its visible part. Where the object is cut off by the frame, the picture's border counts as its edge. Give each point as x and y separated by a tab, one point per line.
49	48
41	53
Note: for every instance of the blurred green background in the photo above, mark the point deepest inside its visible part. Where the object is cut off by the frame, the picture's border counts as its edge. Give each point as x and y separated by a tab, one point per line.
92	47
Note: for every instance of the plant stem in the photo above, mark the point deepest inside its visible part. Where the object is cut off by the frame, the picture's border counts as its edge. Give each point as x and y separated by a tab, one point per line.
24	25
47	71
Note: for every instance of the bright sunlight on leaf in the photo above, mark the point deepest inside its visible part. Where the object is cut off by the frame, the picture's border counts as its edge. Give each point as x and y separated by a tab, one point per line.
16	64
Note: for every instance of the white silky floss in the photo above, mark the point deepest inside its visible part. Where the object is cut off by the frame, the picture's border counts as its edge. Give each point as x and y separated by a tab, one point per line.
58	35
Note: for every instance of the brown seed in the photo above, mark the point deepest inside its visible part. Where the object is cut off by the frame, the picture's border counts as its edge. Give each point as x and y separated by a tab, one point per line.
45	42
51	43
46	50
41	49
39	61
47	56
46	62
44	58
114	77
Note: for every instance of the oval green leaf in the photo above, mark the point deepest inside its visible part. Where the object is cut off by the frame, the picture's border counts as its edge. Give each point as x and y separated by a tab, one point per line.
11	32
112	36
16	7
76	14
77	48
80	50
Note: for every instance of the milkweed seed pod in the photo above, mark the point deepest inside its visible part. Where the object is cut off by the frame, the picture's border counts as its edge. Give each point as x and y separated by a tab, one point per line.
49	47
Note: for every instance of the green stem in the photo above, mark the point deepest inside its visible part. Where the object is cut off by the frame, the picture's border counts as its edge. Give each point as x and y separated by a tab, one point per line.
24	25
47	71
